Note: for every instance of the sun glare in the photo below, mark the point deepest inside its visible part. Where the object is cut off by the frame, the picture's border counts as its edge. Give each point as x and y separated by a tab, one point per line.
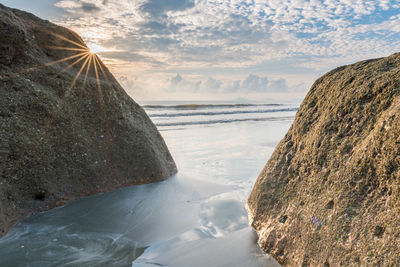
89	60
95	48
85	66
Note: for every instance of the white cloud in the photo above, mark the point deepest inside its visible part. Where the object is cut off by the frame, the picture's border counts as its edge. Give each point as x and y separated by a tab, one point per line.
195	35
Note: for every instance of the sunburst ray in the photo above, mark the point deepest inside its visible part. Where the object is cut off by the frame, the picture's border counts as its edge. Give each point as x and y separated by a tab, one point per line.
77	75
74	63
101	67
82	55
88	69
65	59
79	48
68	48
100	91
67	40
97	64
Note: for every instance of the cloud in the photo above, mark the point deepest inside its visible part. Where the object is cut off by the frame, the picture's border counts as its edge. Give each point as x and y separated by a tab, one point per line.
156	8
254	83
212	84
178	84
79	6
89	7
259	84
176	80
132	85
240	32
193	36
251	84
126	82
278	85
127	56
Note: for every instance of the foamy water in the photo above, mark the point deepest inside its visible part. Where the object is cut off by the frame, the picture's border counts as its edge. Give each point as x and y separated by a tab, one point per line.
183	115
195	218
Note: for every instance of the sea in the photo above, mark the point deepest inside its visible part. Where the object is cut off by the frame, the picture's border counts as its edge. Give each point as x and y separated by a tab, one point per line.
195	218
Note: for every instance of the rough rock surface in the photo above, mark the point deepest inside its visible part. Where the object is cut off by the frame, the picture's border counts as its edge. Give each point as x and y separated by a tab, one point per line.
60	142
330	193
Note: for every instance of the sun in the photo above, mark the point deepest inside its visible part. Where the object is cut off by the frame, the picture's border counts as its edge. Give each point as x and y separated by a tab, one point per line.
89	61
86	67
95	48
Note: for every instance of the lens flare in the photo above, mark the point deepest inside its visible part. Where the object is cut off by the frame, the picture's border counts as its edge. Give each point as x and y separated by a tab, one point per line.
84	54
90	61
95	48
78	53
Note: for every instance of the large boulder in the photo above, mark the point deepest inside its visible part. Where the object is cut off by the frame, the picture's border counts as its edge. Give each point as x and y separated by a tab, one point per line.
66	131
330	193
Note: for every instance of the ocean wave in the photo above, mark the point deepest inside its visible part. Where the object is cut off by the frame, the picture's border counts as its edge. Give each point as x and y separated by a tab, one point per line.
215	113
186	123
205	106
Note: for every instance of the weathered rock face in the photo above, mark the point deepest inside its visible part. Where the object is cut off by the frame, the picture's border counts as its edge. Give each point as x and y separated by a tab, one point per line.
330	193
64	135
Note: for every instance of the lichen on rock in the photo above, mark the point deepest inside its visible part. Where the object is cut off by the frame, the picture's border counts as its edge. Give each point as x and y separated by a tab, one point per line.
331	189
64	135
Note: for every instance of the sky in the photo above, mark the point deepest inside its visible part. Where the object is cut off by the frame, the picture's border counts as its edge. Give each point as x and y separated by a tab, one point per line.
238	50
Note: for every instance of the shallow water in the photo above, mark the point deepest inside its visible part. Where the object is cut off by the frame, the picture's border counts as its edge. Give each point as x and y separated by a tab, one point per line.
195	218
